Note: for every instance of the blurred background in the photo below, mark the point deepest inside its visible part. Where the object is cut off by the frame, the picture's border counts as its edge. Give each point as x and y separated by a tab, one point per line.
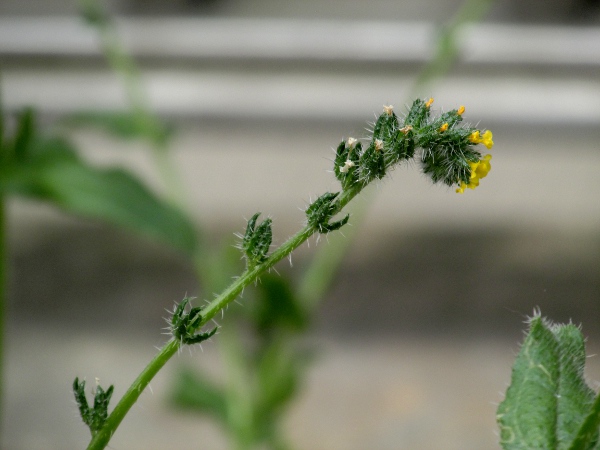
415	339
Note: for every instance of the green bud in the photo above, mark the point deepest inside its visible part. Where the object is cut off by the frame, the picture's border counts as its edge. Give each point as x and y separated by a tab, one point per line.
256	241
94	417
418	114
184	324
320	212
346	162
386	125
372	162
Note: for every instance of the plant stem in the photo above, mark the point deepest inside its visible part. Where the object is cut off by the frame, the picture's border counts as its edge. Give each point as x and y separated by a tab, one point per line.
3	305
101	439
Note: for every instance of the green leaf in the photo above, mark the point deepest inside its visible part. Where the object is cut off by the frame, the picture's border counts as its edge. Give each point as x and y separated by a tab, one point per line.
279	372
547	399
575	398
195	391
24	135
277	305
52	172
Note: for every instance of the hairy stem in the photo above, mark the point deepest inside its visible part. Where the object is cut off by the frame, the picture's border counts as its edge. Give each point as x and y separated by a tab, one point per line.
101	439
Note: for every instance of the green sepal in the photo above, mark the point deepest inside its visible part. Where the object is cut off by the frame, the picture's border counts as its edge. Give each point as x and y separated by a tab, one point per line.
94	417
184	324
418	114
385	127
403	148
548	399
257	241
343	153
372	164
320	212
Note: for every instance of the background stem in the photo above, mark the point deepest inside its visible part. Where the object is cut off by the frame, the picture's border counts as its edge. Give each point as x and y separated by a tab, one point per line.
3	305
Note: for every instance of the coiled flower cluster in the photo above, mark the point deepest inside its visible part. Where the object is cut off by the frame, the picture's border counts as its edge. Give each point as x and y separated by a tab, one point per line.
445	147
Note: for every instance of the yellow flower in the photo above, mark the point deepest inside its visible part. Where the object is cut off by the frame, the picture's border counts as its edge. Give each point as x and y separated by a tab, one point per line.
486	139
484	166
479	170
461	110
444	127
429	102
475	137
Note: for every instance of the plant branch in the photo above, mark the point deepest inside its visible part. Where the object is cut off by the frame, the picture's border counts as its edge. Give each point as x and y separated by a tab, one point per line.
3	302
101	439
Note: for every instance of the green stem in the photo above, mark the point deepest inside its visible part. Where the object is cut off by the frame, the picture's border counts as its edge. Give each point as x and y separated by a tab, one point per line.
448	45
2	296
100	440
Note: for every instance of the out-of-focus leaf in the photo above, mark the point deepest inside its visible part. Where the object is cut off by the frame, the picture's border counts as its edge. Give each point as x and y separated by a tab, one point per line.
277	305
279	372
195	391
52	172
125	125
24	135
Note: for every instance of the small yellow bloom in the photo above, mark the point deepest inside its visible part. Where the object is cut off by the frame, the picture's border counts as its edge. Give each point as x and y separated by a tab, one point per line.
444	127
461	188
429	102
406	129
461	110
475	137
479	170
378	145
486	139
484	166
389	109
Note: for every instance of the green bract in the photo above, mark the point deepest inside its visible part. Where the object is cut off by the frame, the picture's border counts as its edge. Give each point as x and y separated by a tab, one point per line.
93	417
256	241
184	324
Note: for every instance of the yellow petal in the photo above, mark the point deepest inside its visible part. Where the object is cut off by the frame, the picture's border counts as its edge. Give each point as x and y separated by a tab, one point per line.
475	137
487	139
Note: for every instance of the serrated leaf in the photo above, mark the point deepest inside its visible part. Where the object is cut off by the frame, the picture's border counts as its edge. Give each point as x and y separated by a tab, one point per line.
547	399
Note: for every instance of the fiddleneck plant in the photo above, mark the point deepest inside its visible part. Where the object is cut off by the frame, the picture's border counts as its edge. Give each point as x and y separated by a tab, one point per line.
445	148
